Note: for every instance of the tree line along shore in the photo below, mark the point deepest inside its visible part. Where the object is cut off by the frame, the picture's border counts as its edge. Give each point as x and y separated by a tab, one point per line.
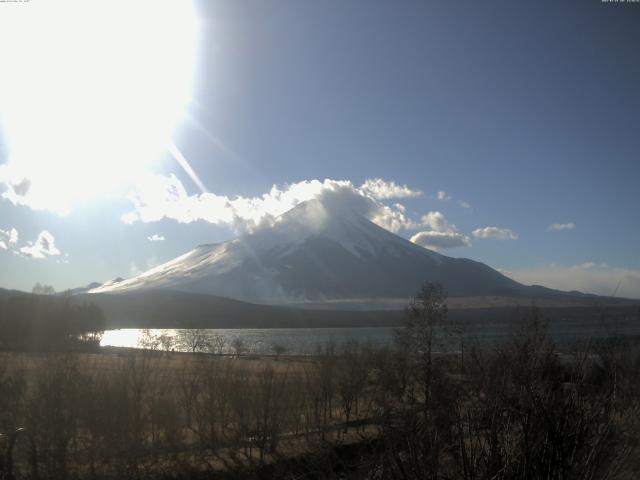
514	411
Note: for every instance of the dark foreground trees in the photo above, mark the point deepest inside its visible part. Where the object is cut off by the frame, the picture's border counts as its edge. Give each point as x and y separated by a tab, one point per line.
408	411
521	411
44	322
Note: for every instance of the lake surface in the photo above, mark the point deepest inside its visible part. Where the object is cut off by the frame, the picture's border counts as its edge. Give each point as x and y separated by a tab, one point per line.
306	340
256	341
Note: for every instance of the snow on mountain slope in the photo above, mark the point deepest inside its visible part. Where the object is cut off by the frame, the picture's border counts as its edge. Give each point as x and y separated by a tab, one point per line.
316	253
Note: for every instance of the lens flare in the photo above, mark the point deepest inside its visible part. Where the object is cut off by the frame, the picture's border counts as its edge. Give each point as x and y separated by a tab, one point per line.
90	93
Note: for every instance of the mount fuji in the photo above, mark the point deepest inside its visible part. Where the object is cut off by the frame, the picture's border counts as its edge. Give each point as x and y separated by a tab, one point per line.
321	253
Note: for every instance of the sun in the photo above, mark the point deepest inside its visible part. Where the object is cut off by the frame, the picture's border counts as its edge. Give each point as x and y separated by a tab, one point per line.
91	91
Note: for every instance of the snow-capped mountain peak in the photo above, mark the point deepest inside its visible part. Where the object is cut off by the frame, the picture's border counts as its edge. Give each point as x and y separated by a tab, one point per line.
316	252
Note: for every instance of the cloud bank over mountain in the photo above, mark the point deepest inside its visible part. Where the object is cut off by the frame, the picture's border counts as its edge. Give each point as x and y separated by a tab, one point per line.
161	197
166	197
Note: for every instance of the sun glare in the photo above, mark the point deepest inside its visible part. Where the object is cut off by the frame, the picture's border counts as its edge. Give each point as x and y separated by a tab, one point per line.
91	92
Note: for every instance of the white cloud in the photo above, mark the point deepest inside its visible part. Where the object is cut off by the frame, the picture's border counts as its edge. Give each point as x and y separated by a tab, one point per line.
8	237
442	234
464	204
443	196
382	190
161	197
437	240
165	197
562	226
43	247
587	277
436	221
495	232
393	218
155	238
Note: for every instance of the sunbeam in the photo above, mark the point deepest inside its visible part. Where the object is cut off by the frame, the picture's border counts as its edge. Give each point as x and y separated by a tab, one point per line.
184	163
91	92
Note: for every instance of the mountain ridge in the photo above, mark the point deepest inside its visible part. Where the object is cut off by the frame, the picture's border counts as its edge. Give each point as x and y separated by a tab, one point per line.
317	252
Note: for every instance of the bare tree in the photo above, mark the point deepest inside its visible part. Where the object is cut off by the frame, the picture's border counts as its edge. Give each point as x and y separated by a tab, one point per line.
148	340
351	379
194	339
424	315
166	340
268	409
239	346
278	349
217	344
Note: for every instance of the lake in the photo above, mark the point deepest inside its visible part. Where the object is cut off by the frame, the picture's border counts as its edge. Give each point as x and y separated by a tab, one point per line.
256	341
306	340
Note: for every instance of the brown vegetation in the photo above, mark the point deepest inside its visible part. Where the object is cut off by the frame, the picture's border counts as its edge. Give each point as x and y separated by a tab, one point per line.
522	411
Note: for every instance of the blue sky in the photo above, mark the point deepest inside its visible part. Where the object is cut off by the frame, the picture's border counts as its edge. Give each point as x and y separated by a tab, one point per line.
525	113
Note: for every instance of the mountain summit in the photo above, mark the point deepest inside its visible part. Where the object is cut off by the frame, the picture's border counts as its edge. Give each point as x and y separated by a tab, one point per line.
317	252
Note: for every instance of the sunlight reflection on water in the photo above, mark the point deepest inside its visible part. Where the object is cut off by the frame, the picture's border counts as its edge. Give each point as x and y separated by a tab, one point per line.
306	340
256	341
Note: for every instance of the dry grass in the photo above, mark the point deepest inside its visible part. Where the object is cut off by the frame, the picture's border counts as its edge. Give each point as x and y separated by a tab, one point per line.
173	364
